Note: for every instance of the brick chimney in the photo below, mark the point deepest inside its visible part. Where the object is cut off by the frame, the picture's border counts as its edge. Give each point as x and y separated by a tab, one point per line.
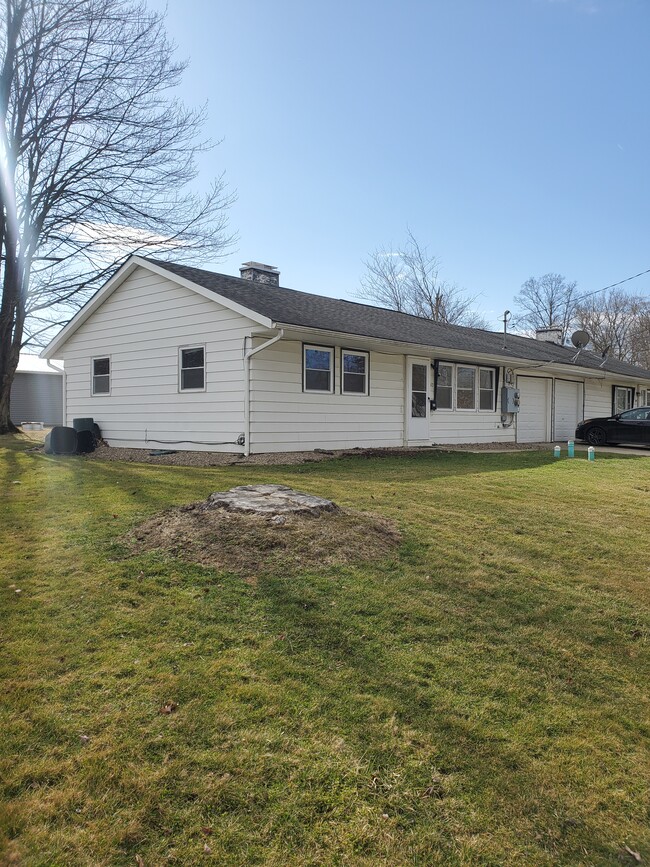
260	273
552	334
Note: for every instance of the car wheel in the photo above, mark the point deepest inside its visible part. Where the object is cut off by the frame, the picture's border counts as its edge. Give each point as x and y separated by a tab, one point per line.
596	436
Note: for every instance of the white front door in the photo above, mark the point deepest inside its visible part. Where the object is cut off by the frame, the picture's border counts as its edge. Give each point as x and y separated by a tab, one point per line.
418	399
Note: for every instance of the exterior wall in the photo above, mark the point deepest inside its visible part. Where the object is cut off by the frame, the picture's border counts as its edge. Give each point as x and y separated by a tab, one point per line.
598	398
284	418
37	397
141	327
448	427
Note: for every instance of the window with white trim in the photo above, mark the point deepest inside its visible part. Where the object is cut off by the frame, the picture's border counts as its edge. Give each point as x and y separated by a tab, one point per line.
623	398
192	368
445	386
354	372
465	387
318	369
486	384
102	375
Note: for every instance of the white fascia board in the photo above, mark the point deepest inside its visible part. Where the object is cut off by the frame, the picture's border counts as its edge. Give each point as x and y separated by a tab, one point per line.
118	278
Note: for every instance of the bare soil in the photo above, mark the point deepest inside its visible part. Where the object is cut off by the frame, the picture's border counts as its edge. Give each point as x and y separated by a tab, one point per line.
220	459
247	544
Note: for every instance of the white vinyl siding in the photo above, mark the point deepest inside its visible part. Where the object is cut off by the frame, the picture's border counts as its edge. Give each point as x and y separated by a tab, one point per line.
142	325
598	398
284	417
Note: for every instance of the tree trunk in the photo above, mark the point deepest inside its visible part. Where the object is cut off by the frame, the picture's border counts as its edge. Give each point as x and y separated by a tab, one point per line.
6	424
11	332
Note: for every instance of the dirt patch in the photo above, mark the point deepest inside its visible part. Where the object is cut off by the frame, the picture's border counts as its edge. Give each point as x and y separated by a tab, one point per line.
251	543
221	459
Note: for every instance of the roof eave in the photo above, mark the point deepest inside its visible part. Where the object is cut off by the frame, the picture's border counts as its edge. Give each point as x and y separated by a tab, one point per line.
518	362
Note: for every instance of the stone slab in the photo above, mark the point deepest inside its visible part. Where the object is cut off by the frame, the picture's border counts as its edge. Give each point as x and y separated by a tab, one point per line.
269	500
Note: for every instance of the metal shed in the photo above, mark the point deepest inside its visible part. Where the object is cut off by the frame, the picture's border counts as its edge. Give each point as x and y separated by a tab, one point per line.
37	392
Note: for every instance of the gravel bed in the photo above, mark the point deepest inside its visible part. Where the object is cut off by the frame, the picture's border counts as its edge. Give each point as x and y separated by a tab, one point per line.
221	459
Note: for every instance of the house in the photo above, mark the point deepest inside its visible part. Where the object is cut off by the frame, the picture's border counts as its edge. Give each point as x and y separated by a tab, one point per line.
37	391
169	355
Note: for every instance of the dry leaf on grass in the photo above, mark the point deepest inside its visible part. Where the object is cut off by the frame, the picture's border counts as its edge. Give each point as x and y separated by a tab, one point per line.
169	707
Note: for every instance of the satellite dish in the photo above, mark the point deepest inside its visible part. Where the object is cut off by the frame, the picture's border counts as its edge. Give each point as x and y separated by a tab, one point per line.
580	339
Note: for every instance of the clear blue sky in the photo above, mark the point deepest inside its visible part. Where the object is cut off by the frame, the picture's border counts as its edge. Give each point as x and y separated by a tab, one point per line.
512	136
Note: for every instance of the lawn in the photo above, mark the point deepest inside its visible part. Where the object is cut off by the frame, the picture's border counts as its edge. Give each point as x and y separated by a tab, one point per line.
479	697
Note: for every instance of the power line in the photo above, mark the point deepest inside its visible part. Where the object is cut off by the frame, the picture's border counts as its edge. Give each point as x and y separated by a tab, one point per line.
611	286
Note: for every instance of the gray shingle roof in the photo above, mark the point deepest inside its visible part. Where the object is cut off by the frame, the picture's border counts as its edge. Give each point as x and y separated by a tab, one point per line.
290	307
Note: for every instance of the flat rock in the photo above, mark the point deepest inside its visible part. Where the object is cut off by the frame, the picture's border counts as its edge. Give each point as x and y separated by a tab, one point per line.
269	500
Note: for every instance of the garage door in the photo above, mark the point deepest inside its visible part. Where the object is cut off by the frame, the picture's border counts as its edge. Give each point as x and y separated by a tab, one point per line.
568	408
532	418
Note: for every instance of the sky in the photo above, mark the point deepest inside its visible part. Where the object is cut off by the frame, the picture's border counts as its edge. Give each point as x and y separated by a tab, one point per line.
512	137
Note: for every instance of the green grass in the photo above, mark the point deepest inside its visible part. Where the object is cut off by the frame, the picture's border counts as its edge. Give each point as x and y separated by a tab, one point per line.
480	698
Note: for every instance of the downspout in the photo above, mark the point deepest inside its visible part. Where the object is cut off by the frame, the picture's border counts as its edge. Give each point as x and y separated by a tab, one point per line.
64	387
247	386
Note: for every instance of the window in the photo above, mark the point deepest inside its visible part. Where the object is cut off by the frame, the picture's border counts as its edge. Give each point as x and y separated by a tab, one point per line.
418	391
623	398
354	372
486	388
445	386
192	364
318	368
101	375
465	387
644	397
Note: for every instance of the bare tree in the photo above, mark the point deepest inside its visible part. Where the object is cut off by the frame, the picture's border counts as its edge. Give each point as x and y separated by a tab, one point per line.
546	302
96	160
408	280
618	323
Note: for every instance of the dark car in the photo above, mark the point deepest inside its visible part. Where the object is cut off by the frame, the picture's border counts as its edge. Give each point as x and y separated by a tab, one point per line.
631	426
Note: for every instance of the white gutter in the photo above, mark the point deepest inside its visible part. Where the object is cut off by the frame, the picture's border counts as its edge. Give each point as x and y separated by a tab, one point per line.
247	387
64	386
